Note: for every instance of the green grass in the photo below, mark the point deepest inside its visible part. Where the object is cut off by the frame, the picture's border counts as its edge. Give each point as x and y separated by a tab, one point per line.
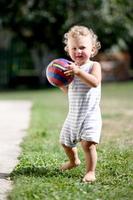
37	176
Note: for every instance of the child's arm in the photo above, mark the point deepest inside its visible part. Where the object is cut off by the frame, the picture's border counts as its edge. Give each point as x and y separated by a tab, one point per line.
92	79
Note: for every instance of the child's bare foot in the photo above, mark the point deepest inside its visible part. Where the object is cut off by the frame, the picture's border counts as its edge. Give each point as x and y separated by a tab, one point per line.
69	165
89	177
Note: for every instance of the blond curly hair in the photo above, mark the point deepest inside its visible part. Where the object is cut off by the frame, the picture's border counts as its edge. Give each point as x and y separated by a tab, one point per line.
76	31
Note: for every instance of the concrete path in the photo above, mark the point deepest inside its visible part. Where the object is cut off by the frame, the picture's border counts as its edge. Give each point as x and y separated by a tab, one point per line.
14	121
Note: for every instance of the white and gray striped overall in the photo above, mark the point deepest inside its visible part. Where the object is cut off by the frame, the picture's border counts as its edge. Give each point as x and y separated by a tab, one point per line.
83	121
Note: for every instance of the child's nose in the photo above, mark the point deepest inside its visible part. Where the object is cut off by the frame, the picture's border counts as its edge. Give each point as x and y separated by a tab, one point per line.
78	51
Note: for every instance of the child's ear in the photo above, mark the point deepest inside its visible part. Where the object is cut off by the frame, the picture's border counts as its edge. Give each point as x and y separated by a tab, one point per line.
66	50
93	51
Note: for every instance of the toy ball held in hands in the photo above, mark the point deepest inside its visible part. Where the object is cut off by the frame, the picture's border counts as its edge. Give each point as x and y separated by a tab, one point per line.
55	72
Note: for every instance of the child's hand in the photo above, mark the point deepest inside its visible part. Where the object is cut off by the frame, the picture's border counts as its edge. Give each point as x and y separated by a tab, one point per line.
72	69
64	89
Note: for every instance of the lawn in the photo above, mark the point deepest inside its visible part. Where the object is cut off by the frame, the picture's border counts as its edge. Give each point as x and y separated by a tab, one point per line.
37	176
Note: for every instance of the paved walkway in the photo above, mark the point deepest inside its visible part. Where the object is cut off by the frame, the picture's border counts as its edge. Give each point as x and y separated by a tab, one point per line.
14	121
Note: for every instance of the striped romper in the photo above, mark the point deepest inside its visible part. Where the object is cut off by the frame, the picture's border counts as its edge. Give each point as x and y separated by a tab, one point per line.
83	121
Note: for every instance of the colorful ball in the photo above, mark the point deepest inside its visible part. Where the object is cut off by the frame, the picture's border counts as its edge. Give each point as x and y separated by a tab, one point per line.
55	72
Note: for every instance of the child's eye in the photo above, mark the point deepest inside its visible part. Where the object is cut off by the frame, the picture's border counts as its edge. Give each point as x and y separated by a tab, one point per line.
82	47
74	48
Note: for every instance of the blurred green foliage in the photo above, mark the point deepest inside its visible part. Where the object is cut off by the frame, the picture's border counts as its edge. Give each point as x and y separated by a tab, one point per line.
42	21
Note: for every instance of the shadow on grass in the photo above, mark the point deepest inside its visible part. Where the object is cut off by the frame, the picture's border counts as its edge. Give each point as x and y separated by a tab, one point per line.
43	171
36	171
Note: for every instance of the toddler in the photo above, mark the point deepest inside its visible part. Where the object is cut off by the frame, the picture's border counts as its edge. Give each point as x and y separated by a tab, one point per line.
83	122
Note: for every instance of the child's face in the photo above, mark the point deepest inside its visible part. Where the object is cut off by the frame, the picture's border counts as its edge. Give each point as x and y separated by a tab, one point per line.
80	49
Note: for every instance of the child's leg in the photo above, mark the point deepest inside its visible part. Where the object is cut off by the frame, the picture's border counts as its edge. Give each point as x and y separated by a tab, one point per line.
72	154
91	160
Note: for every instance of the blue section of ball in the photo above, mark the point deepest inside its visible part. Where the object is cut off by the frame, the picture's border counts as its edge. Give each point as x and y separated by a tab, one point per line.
58	77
